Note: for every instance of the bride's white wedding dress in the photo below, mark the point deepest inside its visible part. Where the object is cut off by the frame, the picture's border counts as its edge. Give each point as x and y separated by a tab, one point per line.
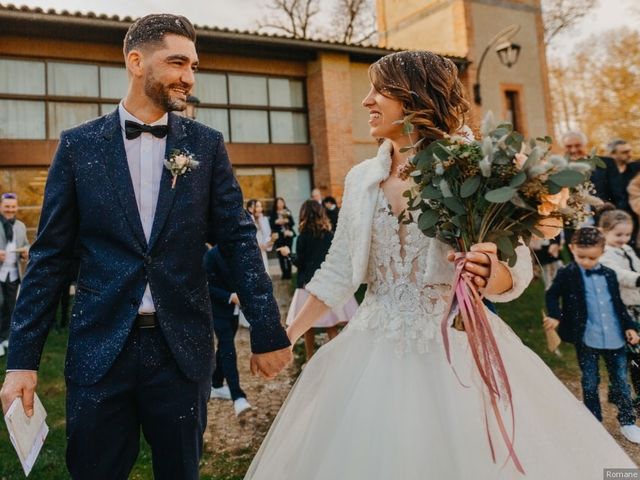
381	402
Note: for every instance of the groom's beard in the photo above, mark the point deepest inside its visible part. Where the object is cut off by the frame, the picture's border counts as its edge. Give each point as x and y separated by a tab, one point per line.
161	95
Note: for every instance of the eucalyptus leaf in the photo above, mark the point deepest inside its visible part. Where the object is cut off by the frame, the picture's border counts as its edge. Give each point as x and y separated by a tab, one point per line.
505	245
567	178
553	188
453	204
500	195
428	219
431	192
534	158
470	186
518	180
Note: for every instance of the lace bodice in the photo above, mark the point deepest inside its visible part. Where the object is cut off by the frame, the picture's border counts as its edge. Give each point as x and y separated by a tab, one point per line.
408	283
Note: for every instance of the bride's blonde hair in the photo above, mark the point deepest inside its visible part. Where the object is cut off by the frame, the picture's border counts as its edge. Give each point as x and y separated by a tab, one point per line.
428	86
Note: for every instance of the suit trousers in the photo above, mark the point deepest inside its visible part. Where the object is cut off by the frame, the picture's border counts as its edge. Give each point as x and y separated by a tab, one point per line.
225	329
144	389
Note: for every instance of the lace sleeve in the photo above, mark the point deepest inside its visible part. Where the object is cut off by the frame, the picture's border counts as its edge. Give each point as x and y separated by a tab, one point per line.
332	283
521	275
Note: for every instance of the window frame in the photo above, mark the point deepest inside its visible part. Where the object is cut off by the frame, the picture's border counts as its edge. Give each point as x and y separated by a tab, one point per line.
99	100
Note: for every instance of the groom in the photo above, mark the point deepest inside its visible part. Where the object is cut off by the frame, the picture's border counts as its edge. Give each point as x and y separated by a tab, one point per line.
140	352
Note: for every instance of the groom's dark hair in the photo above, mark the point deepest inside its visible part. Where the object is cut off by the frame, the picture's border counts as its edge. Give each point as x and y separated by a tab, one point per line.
149	31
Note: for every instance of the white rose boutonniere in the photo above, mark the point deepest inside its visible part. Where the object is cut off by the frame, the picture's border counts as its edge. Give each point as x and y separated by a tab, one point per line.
180	163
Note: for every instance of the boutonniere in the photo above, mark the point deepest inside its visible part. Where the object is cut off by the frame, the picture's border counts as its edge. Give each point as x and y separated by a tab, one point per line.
180	163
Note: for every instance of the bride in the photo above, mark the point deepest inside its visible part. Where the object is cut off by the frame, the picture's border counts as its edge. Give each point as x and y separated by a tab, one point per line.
381	401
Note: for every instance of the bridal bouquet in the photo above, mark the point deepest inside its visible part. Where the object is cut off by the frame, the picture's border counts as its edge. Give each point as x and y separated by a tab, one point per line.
500	189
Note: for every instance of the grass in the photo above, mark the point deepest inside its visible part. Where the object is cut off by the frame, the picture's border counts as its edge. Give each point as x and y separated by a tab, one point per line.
523	315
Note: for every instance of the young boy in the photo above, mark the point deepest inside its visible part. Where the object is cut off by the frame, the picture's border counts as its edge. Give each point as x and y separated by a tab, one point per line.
584	304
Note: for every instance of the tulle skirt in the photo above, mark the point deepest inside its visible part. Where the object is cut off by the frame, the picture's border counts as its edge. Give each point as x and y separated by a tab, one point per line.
337	316
362	411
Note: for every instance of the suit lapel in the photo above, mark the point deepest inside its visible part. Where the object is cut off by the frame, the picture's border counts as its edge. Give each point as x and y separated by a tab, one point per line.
119	174
166	196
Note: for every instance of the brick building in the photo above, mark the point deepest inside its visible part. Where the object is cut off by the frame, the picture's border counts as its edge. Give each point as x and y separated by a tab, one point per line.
289	109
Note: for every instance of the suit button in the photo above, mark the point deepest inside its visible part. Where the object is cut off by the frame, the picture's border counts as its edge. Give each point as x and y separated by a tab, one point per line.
148	260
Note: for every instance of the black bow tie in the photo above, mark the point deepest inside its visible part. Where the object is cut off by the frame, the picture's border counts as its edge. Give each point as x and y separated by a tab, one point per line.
594	271
134	129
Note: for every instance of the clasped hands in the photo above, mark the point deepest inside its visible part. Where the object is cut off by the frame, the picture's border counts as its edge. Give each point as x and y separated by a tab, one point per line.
484	270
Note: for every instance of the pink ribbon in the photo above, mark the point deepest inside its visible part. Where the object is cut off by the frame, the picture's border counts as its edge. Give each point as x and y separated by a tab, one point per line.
486	355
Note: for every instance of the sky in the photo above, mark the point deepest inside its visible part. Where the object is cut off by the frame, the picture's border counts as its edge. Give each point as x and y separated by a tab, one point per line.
244	14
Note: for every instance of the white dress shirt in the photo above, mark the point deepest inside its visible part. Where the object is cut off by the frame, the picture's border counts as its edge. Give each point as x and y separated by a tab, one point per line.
145	155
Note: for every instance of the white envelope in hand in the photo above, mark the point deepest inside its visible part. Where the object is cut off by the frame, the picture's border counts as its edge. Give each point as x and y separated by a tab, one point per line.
27	434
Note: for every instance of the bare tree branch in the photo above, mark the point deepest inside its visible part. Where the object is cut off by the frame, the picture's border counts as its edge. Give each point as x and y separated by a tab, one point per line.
561	15
291	17
355	21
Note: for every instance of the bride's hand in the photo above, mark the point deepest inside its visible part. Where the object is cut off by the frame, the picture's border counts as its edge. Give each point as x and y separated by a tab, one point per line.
479	265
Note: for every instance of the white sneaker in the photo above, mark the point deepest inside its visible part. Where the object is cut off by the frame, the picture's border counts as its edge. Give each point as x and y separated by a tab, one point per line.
241	406
221	393
631	433
5	344
2	352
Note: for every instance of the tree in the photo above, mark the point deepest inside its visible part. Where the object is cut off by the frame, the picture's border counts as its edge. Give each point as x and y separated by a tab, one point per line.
291	17
561	15
355	21
352	21
598	92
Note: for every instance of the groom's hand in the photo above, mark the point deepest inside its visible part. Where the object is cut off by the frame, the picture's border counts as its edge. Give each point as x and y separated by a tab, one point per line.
21	383
270	364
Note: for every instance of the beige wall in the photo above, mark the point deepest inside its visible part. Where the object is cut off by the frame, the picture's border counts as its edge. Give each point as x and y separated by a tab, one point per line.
430	25
487	21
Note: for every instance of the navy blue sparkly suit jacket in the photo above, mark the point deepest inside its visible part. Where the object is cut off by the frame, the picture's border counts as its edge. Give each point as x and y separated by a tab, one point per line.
89	196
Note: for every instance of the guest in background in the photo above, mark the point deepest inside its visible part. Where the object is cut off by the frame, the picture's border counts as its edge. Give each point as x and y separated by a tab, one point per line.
332	209
13	247
316	195
226	307
312	246
547	253
617	226
620	171
263	230
282	223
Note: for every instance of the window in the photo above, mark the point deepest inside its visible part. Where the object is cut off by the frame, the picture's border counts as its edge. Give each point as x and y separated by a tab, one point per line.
63	115
113	82
72	80
211	88
248	90
21	77
17	119
217	118
249	126
513	109
40	98
253	108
